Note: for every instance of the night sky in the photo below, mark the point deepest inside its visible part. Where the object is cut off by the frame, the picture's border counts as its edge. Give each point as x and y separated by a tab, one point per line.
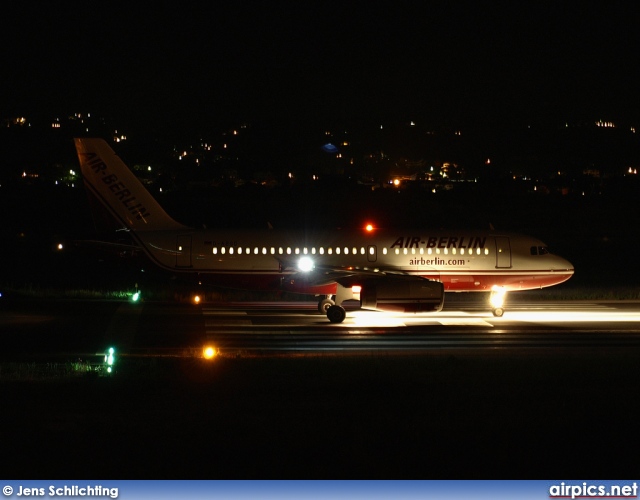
192	64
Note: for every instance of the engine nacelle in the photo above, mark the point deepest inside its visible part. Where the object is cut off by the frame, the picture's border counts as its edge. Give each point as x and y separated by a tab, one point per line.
403	294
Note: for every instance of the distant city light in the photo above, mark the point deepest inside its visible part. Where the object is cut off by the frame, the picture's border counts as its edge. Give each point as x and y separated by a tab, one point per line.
601	123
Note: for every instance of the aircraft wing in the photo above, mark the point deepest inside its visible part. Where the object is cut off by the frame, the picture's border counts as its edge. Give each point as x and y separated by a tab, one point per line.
376	290
345	276
121	249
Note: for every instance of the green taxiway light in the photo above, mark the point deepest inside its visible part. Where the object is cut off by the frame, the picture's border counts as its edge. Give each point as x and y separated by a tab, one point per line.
110	358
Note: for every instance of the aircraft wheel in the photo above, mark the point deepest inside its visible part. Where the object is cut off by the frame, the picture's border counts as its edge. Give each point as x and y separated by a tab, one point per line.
498	312
336	314
324	305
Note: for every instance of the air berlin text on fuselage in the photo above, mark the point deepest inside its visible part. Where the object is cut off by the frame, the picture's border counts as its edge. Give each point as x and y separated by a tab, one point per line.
440	242
117	187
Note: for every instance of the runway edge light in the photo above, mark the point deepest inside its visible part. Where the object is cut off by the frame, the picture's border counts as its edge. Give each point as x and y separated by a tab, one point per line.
209	352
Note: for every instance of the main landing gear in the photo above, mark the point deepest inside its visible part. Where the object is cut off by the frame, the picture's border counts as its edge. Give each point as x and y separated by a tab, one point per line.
331	305
335	313
325	304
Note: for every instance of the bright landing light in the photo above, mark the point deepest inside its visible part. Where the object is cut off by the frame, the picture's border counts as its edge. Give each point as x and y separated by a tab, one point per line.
497	296
305	264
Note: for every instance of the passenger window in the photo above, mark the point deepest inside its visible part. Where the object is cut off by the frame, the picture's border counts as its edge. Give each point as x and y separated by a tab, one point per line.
534	250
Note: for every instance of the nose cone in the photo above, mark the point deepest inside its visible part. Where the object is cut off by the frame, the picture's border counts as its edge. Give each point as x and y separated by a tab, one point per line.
562	264
562	268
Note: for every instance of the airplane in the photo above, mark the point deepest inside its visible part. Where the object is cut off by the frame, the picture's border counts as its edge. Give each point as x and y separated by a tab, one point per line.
385	269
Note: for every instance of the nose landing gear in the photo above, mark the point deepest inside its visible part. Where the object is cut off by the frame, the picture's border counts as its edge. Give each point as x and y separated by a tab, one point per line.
496	299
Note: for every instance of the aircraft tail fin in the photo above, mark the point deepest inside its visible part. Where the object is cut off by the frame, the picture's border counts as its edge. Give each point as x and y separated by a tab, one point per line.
116	187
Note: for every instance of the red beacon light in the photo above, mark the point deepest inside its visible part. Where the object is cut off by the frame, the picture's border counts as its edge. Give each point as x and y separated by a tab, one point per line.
369	228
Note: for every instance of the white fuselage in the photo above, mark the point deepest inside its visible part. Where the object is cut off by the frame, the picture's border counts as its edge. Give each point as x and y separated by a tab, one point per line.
462	261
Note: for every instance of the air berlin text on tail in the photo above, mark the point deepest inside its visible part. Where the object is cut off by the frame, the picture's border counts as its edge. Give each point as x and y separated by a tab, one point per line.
116	186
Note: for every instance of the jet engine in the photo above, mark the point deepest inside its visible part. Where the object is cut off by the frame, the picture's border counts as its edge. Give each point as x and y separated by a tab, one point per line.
403	294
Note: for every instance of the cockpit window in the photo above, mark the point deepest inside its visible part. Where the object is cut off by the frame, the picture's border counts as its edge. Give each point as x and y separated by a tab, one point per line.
539	250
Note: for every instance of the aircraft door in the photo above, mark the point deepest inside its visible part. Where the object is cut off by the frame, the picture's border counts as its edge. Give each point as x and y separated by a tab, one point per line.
372	253
503	252
183	250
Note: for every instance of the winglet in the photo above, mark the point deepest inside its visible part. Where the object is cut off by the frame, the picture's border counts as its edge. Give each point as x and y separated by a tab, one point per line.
108	179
